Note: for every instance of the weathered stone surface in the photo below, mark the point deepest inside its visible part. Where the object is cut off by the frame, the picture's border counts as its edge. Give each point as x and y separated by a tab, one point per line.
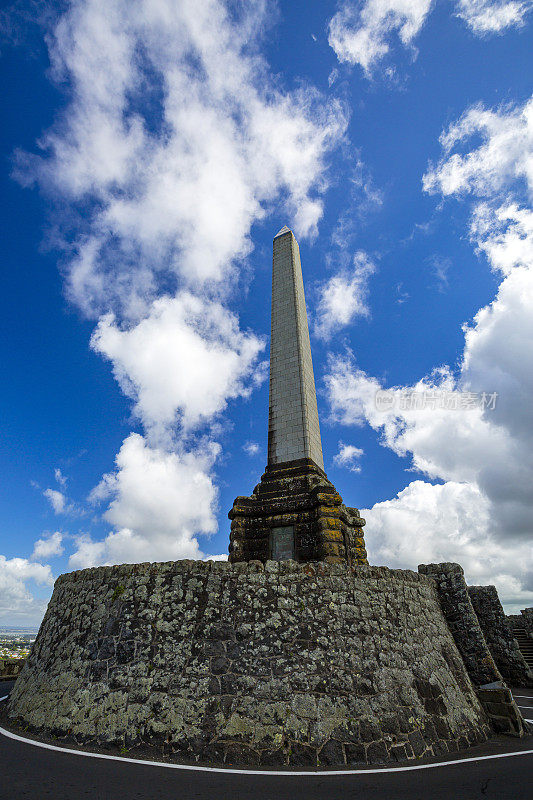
295	512
500	640
299	495
524	620
462	621
282	664
466	630
293	427
10	667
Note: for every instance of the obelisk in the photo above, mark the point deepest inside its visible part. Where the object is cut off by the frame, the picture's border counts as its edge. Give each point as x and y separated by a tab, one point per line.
295	512
293	427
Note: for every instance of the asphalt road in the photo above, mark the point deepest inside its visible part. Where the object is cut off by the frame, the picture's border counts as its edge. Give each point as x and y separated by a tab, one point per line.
35	773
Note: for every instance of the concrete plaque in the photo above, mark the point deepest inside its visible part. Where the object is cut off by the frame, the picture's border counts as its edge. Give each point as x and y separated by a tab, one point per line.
282	543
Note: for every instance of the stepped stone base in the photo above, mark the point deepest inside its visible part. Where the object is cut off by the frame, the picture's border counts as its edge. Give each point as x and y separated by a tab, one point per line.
296	495
278	664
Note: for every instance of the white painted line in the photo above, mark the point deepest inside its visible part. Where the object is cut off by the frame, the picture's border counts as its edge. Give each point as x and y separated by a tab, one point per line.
276	773
4	698
523	696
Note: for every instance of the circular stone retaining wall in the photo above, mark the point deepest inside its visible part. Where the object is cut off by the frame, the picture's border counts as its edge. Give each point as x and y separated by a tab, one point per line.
304	664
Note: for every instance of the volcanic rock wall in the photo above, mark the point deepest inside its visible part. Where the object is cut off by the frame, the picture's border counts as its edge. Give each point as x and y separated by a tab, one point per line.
285	663
500	640
523	621
456	603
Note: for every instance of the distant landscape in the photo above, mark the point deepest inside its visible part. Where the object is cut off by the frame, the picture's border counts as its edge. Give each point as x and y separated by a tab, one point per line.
16	642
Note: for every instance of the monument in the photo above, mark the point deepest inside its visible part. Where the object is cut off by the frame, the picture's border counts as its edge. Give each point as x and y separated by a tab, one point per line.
295	512
296	652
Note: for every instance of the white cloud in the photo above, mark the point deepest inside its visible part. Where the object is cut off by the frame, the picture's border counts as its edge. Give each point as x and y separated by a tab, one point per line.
361	33
182	363
159	502
504	156
46	548
493	16
348	456
251	448
220	557
177	185
364	32
449	522
482	514
60	478
343	297
504	234
57	500
17	600
176	139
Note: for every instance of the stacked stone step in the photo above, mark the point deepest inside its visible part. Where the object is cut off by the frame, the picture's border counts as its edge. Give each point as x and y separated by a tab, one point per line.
297	494
525	643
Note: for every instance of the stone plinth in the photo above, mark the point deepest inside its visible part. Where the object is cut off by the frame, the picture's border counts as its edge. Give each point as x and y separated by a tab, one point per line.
311	664
296	497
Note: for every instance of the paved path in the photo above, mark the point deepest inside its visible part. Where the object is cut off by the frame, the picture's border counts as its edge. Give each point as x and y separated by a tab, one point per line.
32	772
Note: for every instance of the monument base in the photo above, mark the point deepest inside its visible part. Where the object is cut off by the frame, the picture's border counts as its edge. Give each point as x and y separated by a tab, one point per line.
283	664
295	512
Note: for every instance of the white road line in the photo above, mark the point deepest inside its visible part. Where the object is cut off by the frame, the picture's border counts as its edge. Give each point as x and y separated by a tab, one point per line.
4	698
523	696
275	773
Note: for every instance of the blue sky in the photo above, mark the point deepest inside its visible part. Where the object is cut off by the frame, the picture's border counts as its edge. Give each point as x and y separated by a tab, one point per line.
150	152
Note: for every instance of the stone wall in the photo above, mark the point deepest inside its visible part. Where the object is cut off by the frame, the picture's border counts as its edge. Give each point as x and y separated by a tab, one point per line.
10	668
523	620
303	664
296	494
500	640
464	625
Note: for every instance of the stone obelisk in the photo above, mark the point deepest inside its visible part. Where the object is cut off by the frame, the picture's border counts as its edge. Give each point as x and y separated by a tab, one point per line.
293	428
295	512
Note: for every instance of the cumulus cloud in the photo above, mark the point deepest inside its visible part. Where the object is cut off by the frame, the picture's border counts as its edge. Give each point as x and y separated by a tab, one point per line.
493	16
158	502
174	141
251	448
343	297
504	156
17	601
57	500
183	362
60	478
364	32
348	456
361	33
181	139
504	234
446	422
431	523
57	497
48	547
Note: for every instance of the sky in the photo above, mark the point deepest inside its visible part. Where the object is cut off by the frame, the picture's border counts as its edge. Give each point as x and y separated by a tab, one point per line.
151	150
